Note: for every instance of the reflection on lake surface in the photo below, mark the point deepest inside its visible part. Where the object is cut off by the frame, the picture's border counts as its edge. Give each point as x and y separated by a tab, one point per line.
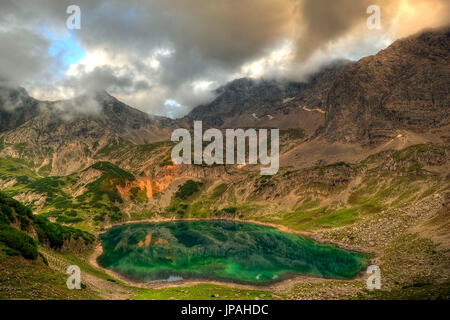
220	250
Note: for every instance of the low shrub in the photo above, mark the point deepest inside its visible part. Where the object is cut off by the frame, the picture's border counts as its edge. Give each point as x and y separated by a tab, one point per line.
187	189
19	241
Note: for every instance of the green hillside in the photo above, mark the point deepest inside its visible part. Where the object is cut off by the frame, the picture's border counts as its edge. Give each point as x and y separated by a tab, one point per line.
17	224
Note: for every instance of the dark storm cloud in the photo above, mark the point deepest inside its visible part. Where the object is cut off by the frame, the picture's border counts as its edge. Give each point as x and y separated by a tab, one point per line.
207	37
207	40
104	77
326	20
22	56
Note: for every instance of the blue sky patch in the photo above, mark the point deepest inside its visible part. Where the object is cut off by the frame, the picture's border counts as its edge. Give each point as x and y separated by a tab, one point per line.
65	48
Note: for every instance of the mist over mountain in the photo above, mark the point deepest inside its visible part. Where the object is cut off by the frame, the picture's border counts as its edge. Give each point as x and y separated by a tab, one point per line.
404	87
16	107
271	103
148	52
67	133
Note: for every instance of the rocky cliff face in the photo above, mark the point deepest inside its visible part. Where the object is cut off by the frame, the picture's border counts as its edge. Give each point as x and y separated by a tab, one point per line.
66	135
270	103
406	86
93	116
240	96
16	107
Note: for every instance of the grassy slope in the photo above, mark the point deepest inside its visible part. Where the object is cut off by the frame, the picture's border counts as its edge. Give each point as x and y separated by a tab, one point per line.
27	282
201	292
379	191
87	211
33	279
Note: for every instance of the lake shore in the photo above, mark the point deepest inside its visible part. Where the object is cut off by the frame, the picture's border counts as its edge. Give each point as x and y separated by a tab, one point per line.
290	280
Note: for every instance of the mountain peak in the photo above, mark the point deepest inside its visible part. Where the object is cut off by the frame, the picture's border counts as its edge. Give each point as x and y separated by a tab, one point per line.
102	95
16	107
268	102
402	87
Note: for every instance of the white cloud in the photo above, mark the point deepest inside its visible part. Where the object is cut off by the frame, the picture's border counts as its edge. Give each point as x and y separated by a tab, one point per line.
152	51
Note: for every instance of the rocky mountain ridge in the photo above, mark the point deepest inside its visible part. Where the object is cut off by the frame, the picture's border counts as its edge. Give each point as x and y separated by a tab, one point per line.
406	86
271	103
402	93
67	134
